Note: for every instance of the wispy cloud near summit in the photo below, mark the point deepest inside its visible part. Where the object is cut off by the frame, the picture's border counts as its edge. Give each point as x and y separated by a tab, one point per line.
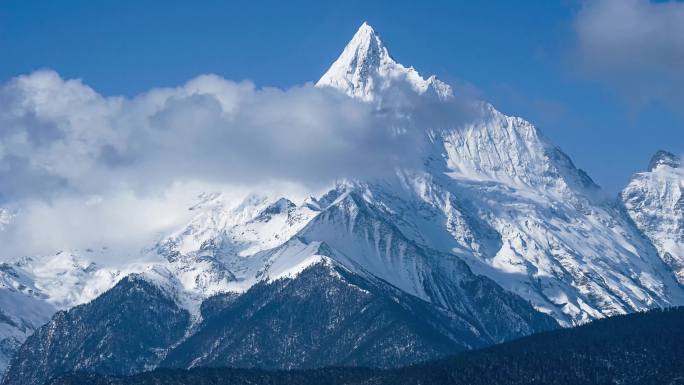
636	46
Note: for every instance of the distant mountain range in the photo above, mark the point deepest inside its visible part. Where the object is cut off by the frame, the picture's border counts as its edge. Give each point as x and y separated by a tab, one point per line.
494	236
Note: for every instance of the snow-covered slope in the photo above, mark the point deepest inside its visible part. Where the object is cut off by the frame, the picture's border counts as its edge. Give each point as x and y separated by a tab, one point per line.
215	251
497	193
655	201
22	310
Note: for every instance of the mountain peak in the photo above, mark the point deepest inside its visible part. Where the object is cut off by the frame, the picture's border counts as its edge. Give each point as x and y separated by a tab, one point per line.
365	29
366	43
354	69
365	67
662	157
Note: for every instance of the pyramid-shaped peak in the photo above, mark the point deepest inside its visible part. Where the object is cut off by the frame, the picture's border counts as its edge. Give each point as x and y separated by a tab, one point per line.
365	67
361	60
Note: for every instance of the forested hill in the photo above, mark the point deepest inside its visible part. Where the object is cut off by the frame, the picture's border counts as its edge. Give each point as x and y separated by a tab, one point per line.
642	348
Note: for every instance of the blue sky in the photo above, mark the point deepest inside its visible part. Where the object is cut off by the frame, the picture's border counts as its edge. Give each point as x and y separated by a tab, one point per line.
536	59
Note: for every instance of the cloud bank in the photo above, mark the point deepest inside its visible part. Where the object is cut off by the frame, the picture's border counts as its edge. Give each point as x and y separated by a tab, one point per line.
636	47
81	168
61	136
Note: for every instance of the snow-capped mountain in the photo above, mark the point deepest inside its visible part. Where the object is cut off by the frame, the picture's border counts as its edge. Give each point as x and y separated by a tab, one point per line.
655	201
497	193
365	69
494	219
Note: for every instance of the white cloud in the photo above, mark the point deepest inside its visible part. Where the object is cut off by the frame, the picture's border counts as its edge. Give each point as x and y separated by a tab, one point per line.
635	46
60	135
124	221
61	144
